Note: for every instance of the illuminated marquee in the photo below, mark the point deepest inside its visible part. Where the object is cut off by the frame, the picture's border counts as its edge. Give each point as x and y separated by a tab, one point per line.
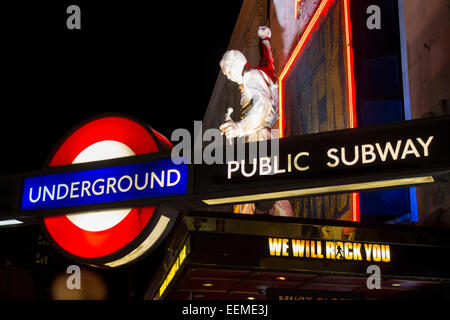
173	270
336	157
329	250
365	158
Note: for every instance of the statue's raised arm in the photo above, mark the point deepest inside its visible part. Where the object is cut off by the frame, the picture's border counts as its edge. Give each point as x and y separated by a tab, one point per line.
267	63
259	91
259	109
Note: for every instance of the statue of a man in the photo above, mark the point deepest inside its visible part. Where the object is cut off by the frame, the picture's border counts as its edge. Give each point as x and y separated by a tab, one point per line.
259	108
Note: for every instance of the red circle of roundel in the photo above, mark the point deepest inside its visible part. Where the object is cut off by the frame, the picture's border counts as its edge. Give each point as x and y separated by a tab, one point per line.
97	244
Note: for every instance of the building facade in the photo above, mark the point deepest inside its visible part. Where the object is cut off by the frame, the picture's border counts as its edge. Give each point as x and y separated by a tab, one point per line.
400	70
340	64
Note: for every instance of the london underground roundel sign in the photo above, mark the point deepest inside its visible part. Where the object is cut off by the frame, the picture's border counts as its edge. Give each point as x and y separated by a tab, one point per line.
108	238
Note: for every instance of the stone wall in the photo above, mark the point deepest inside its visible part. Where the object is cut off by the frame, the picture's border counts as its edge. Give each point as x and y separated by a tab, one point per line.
427	26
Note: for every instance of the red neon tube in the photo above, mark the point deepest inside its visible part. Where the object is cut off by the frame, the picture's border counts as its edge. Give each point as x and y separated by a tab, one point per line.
350	76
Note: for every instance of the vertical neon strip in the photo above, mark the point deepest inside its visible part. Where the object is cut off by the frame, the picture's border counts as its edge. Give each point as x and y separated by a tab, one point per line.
413	204
406	97
350	72
350	77
351	91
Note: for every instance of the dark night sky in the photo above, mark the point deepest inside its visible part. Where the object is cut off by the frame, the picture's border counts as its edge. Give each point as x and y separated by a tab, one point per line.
156	62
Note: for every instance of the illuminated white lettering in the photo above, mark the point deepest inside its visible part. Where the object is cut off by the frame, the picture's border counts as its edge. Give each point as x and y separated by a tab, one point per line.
264	166
276	165
367	150
58	191
368	248
357	251
301	154
388	149
136	182
101	187
425	145
355	160
298	248
385	253
110	183
331	155
160	181
289	163
73	189
85	185
231	169
38	197
254	165
177	173
329	249
119	186
275	245
285	247
348	251
47	191
410	149
376	253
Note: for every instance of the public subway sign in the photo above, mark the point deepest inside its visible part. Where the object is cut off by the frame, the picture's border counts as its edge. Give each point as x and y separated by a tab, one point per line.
329	250
364	154
148	180
365	158
110	191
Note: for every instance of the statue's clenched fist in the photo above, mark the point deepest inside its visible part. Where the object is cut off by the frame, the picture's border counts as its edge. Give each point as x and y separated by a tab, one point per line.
264	32
230	129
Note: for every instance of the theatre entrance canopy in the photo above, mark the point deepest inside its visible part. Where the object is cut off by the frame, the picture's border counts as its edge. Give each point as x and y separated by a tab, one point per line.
217	256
